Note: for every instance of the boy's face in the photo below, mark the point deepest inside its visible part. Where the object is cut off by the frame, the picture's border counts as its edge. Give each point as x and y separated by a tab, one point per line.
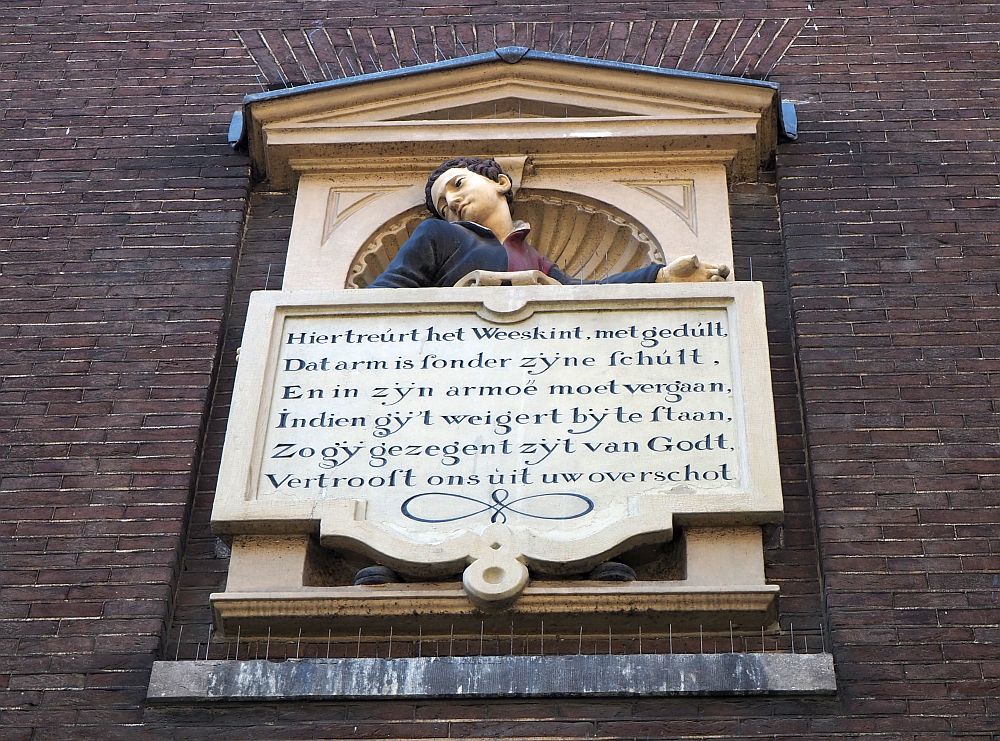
461	195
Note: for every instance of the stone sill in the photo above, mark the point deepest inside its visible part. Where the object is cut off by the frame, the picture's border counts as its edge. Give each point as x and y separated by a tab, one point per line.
565	606
646	675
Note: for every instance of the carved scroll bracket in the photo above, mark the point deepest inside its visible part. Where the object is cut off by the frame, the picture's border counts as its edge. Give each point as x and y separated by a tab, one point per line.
497	557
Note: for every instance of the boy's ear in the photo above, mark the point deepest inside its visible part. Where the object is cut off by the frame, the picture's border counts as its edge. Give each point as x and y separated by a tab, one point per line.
504	184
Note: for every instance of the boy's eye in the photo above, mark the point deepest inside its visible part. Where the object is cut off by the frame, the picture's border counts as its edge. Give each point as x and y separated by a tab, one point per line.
458	182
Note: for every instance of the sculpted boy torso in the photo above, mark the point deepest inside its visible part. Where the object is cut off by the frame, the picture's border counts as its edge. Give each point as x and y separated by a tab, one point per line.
472	239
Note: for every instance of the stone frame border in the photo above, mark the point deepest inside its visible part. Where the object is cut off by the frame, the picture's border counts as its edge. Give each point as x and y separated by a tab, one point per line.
236	512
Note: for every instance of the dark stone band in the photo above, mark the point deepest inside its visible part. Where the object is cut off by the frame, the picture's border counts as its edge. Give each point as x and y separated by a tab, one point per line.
495	676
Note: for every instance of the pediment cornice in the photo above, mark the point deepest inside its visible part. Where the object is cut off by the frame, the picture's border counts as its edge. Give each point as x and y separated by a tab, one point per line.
508	103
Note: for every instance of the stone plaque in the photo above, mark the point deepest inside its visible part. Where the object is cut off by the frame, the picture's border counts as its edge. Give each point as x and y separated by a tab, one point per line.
503	427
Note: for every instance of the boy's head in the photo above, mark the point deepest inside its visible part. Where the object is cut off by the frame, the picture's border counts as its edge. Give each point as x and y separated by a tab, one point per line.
488	168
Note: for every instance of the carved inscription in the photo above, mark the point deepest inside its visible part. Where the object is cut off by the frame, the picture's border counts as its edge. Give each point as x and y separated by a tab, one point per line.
448	421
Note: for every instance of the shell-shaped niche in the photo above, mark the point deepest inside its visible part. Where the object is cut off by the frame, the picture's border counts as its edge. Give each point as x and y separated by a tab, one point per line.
588	239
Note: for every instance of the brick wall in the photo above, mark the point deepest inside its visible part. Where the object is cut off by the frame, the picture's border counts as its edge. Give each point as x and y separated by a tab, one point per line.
121	220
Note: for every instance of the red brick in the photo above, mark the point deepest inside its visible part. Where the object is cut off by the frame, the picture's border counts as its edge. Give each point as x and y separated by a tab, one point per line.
124	219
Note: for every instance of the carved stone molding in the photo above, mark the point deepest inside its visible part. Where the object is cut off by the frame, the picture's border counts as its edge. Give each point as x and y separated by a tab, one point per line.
542	103
677	195
341	204
622	164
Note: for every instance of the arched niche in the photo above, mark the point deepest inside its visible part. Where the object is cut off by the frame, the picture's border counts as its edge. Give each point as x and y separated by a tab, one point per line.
591	220
587	238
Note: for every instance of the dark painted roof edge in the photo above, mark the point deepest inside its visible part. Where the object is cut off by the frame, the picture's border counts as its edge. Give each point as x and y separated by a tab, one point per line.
789	120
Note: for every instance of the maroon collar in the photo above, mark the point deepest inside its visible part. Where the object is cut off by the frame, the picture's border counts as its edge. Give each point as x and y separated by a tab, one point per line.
521	255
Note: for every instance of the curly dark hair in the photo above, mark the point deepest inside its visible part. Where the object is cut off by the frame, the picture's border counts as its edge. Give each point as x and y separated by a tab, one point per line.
486	167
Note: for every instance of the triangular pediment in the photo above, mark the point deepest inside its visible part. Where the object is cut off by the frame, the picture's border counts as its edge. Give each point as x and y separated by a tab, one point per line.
503	97
511	106
510	103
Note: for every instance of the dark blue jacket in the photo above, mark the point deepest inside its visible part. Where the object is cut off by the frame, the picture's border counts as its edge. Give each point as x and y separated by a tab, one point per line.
440	253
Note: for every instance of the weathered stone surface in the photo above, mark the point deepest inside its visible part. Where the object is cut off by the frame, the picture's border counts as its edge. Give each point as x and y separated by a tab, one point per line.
495	676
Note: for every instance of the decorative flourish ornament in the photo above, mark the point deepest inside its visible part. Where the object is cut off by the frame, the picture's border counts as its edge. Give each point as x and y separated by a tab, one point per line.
570	506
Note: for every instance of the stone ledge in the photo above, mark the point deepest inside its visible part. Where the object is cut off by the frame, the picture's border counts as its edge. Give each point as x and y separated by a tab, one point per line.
647	675
565	606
